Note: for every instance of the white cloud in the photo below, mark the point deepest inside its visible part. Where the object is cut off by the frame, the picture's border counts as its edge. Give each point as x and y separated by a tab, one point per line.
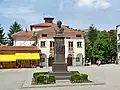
25	13
63	3
98	4
16	11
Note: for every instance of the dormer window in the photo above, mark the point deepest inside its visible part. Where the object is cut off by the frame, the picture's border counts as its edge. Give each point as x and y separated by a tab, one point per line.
78	35
44	35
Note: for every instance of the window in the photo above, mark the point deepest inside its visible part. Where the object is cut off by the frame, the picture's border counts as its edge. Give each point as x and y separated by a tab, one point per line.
67	37
119	36
51	44
79	44
44	35
118	48
70	44
77	59
78	35
42	43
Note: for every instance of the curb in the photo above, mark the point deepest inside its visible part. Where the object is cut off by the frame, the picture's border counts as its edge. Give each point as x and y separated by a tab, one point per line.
62	85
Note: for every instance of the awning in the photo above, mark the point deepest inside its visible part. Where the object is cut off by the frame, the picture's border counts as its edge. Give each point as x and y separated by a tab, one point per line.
35	56
23	56
7	57
27	56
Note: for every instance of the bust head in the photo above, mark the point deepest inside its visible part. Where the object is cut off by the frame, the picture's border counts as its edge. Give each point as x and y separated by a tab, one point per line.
59	23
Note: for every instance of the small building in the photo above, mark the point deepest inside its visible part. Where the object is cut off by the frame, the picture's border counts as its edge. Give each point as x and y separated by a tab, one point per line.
44	33
19	56
118	42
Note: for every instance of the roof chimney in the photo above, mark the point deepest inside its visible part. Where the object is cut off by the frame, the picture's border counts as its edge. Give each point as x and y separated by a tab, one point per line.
26	30
48	19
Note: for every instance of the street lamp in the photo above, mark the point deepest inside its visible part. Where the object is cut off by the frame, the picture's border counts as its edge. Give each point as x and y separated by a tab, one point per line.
117	43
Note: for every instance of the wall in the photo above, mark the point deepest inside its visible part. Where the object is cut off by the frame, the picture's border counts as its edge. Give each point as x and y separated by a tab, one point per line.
38	28
73	38
118	41
21	41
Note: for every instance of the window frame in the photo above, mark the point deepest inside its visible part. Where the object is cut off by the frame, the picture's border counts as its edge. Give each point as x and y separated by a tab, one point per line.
70	44
79	44
41	45
44	35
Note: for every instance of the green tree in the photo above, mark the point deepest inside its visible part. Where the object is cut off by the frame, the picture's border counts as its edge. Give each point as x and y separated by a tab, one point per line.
92	34
2	35
15	27
90	38
113	44
101	46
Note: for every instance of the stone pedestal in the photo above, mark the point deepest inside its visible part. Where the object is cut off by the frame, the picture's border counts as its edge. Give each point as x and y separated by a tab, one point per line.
59	66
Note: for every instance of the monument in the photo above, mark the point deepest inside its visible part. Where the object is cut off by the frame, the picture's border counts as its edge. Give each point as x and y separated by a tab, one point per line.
59	67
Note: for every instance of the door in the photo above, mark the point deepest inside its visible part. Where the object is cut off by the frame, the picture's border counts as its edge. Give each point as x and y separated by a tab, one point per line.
69	61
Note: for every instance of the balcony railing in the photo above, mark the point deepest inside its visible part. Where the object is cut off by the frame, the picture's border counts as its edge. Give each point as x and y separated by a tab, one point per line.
51	49
70	49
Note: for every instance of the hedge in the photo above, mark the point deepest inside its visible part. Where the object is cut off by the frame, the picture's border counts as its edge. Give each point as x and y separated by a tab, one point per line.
78	77
44	78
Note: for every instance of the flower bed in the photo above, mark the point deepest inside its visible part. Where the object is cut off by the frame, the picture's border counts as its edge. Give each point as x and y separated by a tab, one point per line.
45	78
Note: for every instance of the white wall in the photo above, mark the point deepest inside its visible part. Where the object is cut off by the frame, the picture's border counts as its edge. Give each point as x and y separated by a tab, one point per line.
38	28
118	41
74	39
21	41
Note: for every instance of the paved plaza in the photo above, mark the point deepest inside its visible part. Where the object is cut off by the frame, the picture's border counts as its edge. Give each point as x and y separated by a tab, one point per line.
13	79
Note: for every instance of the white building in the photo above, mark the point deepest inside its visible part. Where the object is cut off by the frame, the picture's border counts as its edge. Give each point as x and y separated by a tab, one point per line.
74	42
118	41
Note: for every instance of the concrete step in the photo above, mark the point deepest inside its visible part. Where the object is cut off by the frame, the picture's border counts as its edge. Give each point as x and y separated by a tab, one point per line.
60	73
62	81
62	77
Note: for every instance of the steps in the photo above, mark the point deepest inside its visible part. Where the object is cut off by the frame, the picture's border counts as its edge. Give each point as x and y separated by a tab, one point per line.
61	75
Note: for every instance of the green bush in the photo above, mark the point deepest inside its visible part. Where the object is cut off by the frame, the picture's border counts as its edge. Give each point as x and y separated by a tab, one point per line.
78	78
73	72
38	73
52	79
84	77
44	78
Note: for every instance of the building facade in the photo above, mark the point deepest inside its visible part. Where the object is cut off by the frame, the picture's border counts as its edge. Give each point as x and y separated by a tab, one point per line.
43	35
118	42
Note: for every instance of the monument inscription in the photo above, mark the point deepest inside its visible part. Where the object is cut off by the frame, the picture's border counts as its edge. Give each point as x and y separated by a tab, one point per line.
60	49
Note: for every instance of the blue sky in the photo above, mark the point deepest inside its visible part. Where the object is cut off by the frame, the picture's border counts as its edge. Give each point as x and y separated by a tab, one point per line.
104	14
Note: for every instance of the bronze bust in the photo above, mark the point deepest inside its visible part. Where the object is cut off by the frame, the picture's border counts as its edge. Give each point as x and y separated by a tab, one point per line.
60	29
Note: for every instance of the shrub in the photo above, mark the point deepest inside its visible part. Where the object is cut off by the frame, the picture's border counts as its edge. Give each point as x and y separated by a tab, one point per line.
84	77
73	72
42	78
52	79
38	73
78	78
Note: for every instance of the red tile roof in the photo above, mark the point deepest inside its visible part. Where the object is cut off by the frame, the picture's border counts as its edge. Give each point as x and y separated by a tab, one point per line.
18	48
50	30
67	31
43	25
23	34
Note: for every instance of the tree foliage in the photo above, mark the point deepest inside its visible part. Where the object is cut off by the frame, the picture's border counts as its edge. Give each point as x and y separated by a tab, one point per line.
2	35
100	45
15	27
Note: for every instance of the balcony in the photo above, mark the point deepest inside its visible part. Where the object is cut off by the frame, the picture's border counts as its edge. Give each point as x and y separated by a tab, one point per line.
51	49
70	49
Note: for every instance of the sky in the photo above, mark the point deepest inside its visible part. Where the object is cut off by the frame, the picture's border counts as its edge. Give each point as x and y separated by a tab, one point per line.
78	14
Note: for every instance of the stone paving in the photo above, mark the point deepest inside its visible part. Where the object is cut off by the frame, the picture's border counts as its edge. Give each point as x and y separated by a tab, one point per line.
14	79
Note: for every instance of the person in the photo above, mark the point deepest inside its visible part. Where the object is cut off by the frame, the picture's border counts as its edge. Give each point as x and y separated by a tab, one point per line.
99	62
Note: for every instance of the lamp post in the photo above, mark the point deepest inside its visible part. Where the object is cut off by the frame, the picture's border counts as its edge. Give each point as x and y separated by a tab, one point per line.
117	43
